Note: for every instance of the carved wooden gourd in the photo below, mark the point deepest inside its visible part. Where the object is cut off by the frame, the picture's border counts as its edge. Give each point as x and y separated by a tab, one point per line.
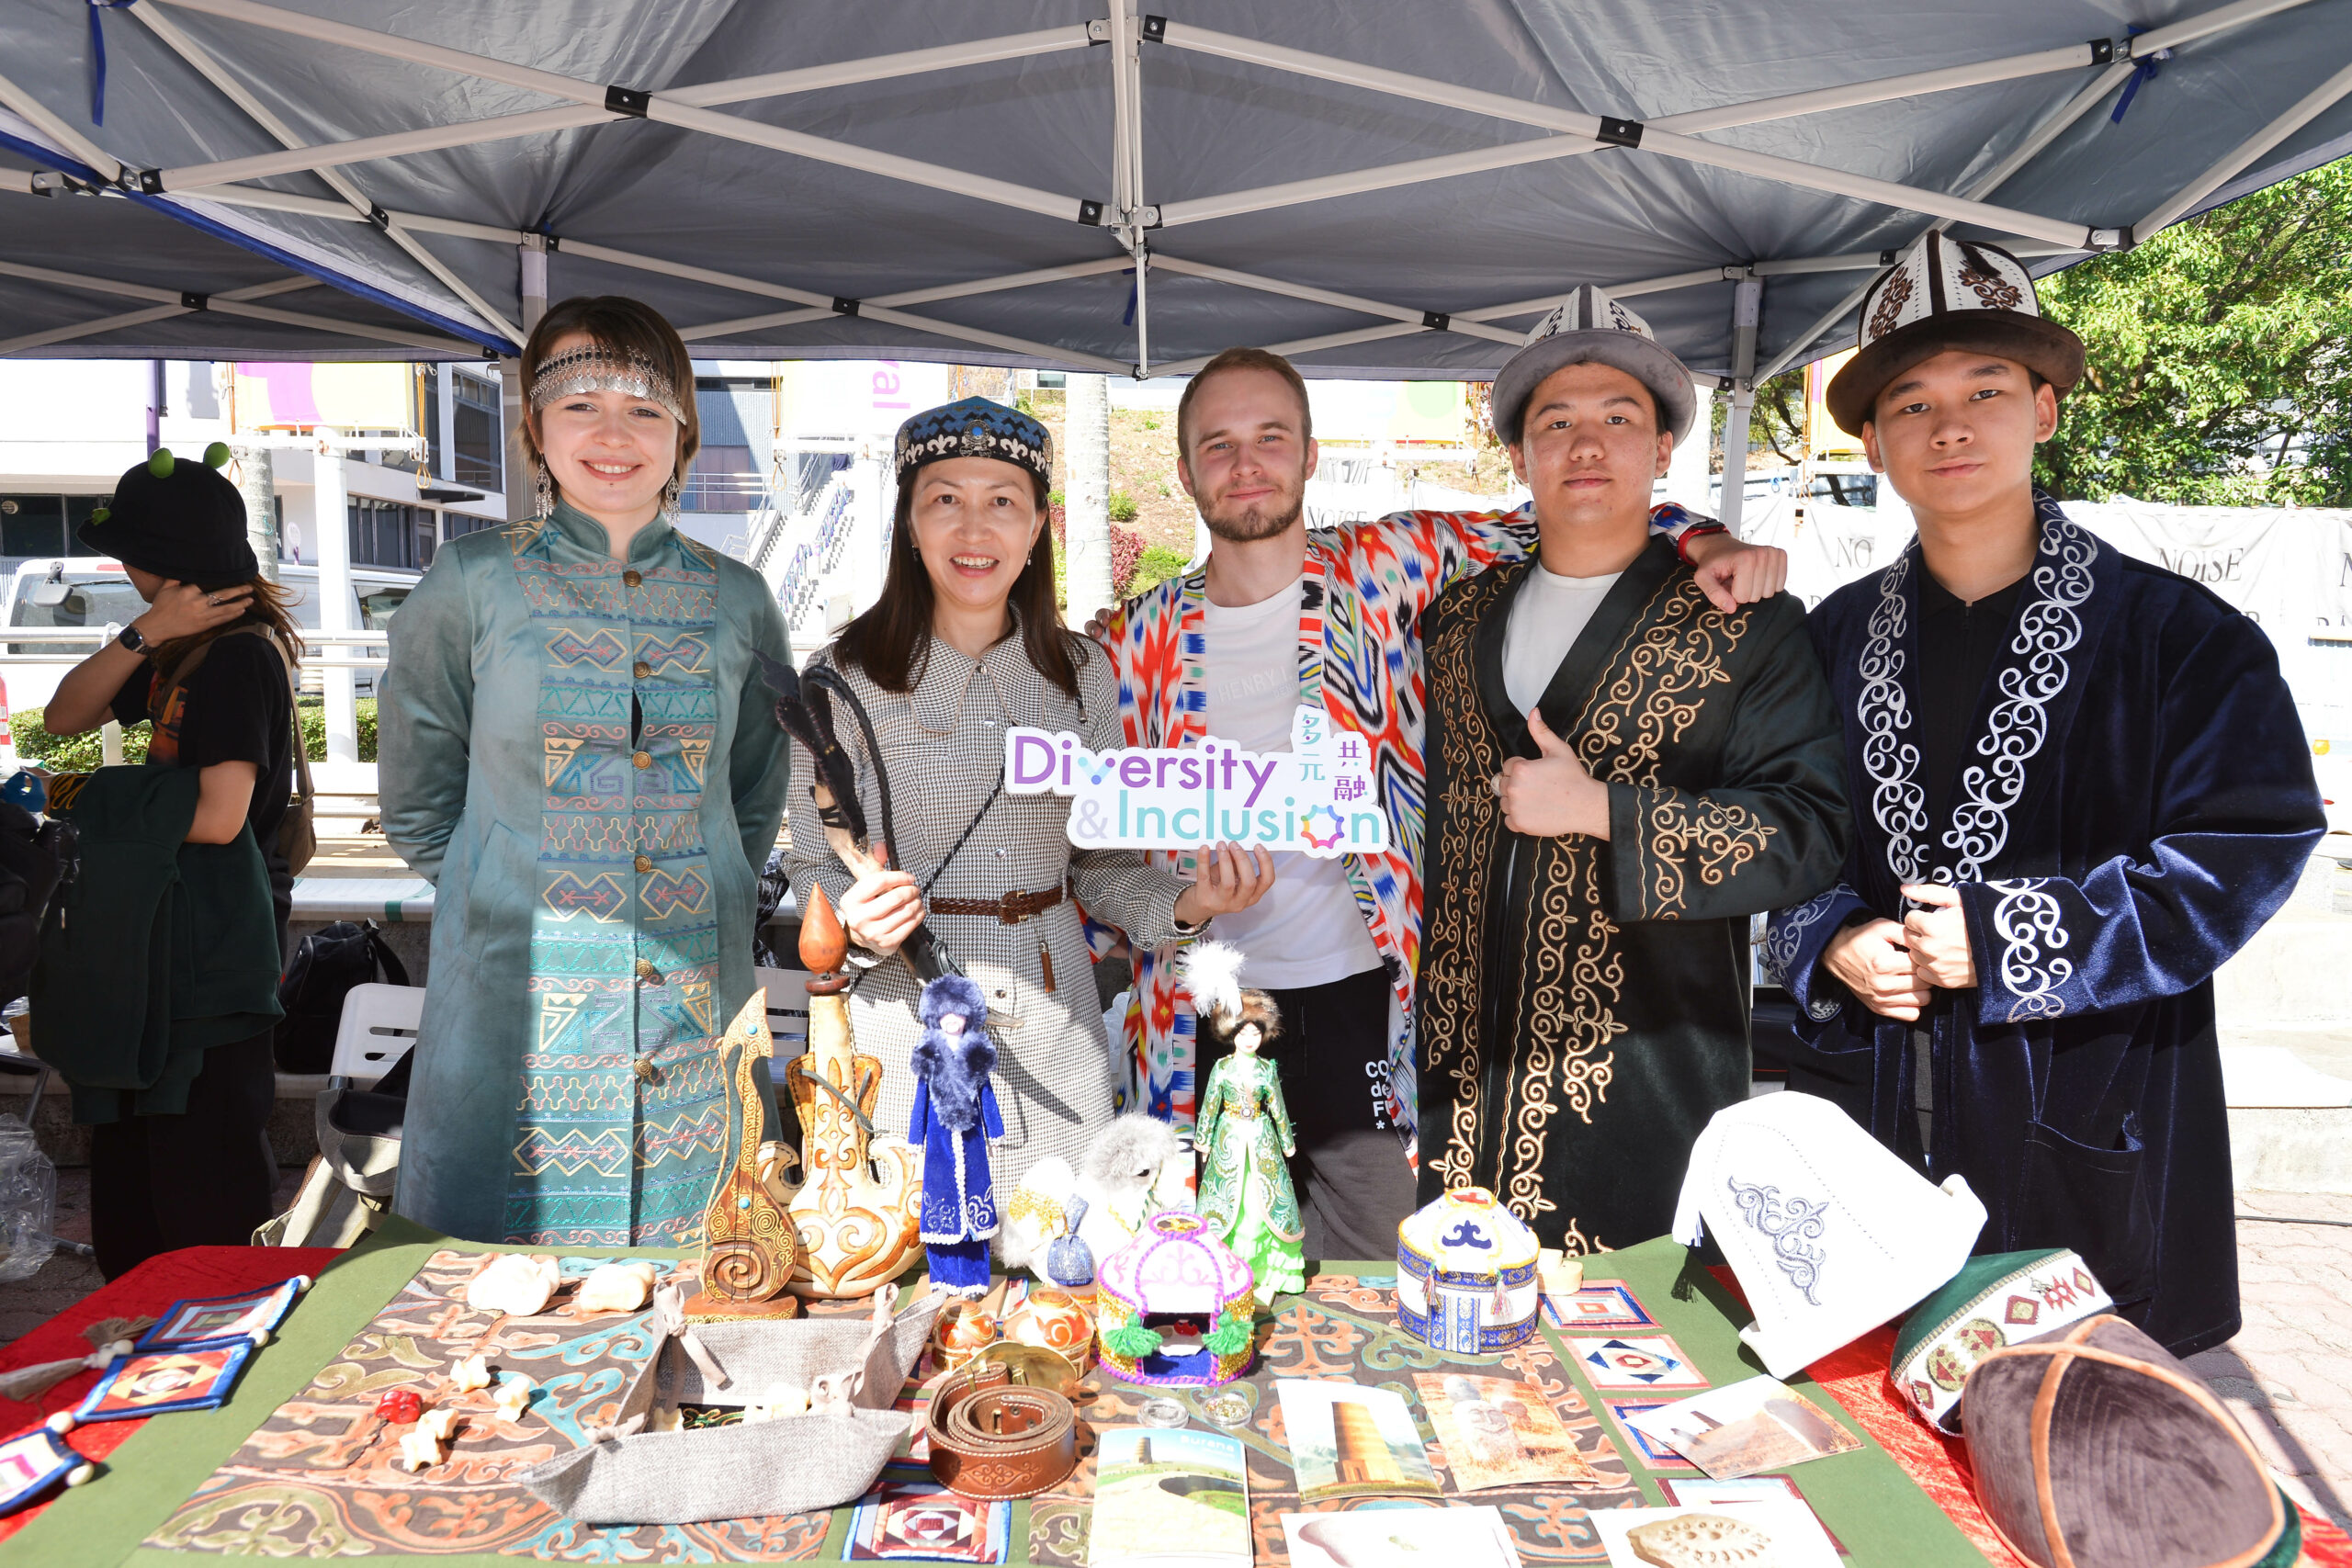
858	1205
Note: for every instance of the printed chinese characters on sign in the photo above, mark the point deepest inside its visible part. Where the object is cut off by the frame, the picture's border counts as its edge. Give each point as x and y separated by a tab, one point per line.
1318	798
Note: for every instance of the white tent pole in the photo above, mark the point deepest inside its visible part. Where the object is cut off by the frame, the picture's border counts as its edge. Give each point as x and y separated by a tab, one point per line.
881	67
58	131
1305	344
739	324
1746	315
2190	28
90	329
2048	132
228	305
1327	297
1143	259
1010	280
531	256
366	148
1325	187
188	49
2310	106
331	525
1650	137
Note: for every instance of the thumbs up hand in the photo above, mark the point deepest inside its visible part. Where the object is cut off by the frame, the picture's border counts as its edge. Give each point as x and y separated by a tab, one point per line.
1551	794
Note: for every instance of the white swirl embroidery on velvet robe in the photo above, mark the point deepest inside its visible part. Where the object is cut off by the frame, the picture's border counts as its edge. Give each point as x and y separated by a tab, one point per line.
1896	799
2028	923
1784	936
2048	630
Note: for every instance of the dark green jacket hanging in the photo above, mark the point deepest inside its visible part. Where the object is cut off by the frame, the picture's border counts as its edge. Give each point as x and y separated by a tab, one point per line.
154	950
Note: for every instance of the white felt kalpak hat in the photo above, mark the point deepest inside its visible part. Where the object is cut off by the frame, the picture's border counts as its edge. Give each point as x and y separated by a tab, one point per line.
1590	327
1829	1233
1944	294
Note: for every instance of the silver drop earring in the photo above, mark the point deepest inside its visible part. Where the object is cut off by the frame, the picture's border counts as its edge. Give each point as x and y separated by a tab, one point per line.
543	489
669	494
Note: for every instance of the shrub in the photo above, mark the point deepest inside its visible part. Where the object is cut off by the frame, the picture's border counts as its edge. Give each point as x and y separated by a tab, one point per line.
80	754
1155	566
1127	549
1123	508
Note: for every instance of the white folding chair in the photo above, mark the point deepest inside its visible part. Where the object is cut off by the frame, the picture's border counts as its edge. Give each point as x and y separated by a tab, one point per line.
378	1027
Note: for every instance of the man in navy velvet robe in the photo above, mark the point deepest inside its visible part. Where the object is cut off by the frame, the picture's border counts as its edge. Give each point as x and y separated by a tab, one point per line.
2080	785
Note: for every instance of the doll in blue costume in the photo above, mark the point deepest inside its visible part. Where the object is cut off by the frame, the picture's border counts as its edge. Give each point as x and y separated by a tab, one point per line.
956	1114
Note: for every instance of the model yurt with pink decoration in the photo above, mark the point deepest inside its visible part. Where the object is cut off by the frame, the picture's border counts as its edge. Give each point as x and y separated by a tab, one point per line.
1173	1306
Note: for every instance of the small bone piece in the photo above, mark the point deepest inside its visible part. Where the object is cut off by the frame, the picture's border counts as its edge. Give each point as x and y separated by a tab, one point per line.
831	1393
419	1449
468	1373
783	1400
519	1284
438	1422
512	1395
616	1287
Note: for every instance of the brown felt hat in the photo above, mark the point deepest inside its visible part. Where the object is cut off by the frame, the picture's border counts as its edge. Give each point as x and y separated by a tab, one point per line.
1945	294
2094	1446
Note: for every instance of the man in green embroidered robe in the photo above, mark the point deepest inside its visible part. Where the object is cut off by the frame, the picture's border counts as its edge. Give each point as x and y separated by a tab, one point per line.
1619	776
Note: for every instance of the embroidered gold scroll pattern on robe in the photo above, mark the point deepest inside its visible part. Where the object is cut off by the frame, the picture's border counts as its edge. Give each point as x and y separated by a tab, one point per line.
1724	835
1660	685
1566	1016
1453	949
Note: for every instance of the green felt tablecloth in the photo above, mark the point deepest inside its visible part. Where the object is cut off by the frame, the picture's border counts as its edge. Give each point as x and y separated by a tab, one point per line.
1878	1514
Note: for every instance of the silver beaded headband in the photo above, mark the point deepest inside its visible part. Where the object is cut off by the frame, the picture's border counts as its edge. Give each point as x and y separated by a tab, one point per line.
600	369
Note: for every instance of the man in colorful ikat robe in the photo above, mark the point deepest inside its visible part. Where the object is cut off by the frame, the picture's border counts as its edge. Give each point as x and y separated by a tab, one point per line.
2081	786
1620	774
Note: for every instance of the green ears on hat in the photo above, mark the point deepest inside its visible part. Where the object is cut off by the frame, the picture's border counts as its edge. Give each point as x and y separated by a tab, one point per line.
162	462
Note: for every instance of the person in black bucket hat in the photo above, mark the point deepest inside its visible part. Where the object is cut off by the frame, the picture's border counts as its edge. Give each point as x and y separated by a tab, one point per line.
180	1146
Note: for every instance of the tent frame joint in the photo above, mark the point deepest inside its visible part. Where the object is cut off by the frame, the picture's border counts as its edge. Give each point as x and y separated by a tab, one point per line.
1618	132
2102	53
845	307
633	103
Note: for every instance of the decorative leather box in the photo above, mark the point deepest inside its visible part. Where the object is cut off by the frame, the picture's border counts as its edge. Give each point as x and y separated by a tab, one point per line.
1465	1274
1173	1306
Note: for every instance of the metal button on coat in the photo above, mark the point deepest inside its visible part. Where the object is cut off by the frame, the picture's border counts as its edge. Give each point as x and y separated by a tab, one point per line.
643	759
633	577
647	973
644	864
641	668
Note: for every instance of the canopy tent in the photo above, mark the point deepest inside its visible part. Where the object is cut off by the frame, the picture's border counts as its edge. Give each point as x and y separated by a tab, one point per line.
1378	190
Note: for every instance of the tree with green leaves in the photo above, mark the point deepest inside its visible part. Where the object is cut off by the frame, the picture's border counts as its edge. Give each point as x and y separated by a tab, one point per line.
2219	357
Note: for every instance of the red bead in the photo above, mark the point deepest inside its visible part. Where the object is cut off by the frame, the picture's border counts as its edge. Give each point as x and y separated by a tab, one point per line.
400	1406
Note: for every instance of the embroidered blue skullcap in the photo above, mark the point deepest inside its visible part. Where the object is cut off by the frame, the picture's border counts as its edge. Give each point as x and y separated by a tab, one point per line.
975	427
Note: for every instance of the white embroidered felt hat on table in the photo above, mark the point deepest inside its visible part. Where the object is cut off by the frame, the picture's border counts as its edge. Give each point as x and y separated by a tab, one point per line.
1944	294
1591	328
1829	1233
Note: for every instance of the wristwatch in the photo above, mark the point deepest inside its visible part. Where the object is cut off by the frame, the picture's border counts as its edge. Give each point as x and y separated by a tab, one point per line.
133	639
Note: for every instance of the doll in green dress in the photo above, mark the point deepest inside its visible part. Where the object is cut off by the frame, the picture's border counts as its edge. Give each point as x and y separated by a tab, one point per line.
1242	1126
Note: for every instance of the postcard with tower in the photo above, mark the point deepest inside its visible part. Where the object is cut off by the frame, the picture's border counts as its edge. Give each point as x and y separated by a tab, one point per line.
1167	1497
1347	1440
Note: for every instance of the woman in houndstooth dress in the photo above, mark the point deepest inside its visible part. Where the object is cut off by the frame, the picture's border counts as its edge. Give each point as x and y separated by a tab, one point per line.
966	641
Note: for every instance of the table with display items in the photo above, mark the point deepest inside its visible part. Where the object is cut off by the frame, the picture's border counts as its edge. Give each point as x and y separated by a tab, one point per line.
297	1464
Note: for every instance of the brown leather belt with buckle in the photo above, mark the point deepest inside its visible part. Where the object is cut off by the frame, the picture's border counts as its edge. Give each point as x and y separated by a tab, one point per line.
993	1441
1010	910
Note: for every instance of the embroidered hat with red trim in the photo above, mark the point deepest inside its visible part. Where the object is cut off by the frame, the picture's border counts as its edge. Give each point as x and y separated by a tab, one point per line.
1944	294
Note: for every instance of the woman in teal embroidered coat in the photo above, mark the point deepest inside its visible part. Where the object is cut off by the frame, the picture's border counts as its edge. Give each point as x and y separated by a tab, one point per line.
577	752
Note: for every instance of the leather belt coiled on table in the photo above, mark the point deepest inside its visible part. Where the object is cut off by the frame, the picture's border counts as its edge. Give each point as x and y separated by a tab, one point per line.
993	1441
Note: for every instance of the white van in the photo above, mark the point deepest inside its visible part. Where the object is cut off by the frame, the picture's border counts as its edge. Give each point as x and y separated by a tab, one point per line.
91	590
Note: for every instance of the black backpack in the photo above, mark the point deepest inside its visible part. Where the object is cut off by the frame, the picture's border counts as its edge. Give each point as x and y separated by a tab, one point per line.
327	964
34	856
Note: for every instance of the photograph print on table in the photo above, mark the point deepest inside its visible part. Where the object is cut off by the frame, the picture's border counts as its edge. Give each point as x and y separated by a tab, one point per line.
1767	1532
1348	1440
1704	1493
1169	1497
1500	1432
1401	1538
1639	1445
1648	1362
1755	1425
